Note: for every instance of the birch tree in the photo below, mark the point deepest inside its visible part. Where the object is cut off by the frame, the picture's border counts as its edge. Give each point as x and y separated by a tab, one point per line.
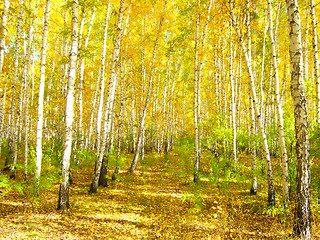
284	155
266	154
196	102
3	34
252	147
145	105
102	74
63	201
28	78
12	141
302	222
233	107
41	94
81	90
315	59
108	112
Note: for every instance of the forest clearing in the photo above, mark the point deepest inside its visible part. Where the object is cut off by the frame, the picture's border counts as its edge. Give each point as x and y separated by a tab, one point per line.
158	201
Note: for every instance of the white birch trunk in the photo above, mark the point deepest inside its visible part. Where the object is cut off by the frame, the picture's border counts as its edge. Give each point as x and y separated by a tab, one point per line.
233	108
108	113
143	78
271	194
28	78
302	222
41	94
284	156
164	107
305	42
64	51
144	112
92	128
102	80
81	90
176	76
316	59
13	125
132	121
198	64
252	146
196	103
120	124
63	202
3	34
262	70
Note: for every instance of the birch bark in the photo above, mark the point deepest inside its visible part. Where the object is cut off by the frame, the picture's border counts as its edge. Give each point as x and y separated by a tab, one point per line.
3	34
316	59
198	65
271	194
102	80
63	202
107	118
233	108
164	106
252	146
81	90
41	95
302	222
284	155
145	106
120	124
28	79
305	41
12	141
196	103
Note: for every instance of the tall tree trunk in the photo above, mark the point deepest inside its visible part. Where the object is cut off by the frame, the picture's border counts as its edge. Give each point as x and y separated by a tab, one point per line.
110	137
302	222
305	43
262	70
28	79
143	80
109	108
233	108
164	107
132	125
176	76
198	64
12	141
266	154
284	156
41	94
3	34
102	80
81	90
252	147
63	202
93	115
316	59
196	102
145	106
120	123
64	50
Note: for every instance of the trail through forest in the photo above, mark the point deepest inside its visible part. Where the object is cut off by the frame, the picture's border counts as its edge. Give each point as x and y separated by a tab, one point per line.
159	201
228	91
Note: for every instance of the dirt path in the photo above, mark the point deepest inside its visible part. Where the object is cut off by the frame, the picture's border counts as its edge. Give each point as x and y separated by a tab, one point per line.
155	204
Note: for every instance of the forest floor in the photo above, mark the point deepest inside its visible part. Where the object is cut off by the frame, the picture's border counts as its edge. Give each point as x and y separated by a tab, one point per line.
159	201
